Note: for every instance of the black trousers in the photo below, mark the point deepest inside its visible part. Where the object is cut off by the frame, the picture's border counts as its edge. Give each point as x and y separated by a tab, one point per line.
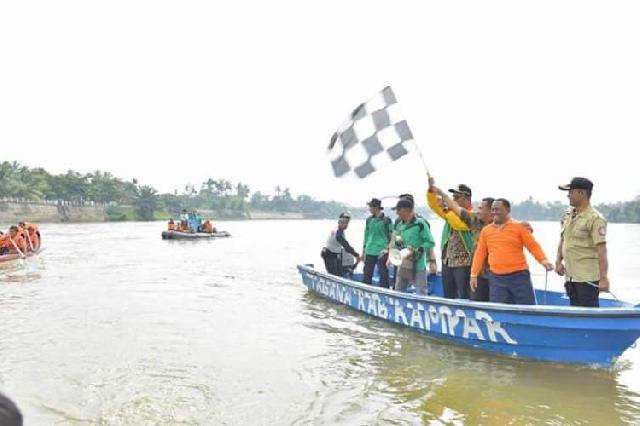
370	263
583	294
455	282
332	262
482	291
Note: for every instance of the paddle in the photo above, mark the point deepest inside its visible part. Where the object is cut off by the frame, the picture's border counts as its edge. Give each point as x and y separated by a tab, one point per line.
16	247
29	241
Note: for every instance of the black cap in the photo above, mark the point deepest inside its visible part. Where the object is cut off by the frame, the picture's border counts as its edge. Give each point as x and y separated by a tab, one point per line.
375	203
407	200
404	203
578	183
462	189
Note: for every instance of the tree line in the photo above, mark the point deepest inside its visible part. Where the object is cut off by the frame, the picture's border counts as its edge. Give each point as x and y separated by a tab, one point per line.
230	199
622	212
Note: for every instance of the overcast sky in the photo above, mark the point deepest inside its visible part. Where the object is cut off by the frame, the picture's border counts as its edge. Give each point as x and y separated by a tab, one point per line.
509	97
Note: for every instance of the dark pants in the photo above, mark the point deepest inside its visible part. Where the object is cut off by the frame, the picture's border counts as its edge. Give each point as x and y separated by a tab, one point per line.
583	294
481	294
370	263
515	289
455	282
332	262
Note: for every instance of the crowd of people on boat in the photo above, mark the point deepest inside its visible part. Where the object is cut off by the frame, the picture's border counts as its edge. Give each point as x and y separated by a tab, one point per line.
21	239
482	249
191	222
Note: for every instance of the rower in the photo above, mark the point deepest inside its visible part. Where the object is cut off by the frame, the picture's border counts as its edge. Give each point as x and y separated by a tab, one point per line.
184	219
207	227
24	233
336	247
14	242
3	249
172	225
33	234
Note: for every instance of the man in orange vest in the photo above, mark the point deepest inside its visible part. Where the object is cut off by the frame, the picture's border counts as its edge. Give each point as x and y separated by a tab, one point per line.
14	242
33	235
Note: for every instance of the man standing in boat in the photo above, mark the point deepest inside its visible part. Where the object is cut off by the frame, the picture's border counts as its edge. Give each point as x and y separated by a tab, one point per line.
582	252
377	235
336	246
464	219
413	234
458	239
503	243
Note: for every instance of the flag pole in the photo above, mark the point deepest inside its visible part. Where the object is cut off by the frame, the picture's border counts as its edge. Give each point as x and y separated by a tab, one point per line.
424	163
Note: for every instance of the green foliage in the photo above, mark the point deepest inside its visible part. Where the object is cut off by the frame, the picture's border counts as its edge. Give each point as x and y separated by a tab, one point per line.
535	210
626	212
131	201
121	213
146	202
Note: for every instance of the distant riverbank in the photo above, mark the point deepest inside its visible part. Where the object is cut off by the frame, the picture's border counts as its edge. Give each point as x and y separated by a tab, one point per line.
41	212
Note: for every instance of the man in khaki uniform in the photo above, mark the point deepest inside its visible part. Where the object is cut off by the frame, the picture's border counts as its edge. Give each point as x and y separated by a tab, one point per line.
582	252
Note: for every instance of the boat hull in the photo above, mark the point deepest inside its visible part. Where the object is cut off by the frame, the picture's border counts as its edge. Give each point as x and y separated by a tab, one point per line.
540	332
11	261
175	235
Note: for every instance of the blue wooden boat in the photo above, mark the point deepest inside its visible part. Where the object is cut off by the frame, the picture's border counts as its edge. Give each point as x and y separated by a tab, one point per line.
553	331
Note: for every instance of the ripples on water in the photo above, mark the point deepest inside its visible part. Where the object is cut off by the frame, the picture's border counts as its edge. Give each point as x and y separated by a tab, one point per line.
114	326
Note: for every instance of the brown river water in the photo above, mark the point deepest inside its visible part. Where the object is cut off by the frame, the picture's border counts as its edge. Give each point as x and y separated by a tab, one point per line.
113	326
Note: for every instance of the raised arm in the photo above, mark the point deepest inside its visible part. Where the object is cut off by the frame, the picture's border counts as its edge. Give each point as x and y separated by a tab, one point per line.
432	201
452	217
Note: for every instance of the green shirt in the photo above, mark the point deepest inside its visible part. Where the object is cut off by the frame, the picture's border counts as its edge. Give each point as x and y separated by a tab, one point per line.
582	233
416	235
377	234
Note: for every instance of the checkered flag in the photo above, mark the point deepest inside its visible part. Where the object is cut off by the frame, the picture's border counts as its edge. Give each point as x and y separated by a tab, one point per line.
373	135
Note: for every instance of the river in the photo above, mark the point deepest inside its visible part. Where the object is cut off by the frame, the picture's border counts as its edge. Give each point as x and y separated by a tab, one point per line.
114	326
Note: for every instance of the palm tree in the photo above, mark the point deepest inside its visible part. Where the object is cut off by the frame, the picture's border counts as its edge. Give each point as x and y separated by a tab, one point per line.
146	202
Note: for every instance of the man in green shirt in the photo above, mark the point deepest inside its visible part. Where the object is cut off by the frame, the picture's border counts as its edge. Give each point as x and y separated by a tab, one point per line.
413	233
582	253
377	235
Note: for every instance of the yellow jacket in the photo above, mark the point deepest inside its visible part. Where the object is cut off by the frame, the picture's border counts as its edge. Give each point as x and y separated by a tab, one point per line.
453	219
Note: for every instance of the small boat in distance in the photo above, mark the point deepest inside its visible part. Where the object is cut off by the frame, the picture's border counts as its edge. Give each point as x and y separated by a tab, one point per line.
178	235
553	331
192	227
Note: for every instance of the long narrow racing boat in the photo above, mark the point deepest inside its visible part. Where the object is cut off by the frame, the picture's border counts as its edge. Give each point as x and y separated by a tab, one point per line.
177	235
553	331
13	261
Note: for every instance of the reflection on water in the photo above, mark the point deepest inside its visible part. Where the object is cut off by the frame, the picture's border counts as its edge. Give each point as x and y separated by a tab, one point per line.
428	380
112	325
